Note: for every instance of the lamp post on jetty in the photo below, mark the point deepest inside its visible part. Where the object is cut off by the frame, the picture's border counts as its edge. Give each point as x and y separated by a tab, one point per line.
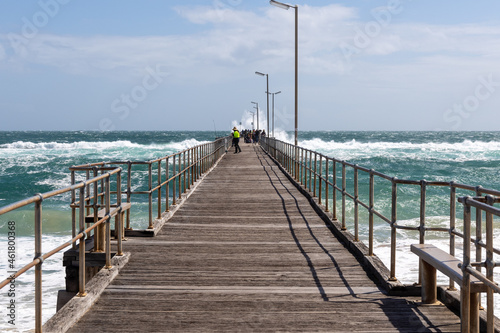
296	7
257	107
275	93
253	119
267	93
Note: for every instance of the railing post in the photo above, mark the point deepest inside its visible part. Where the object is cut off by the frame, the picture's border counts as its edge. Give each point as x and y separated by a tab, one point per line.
453	201
99	231
465	301
479	232
159	189
320	190
334	185
119	232
310	169
370	218
490	302
423	187
356	204
81	243
315	172
304	166
107	192
167	190
150	196
186	170
179	177
301	168
38	267
343	195
129	191
73	209
326	184
394	218
174	194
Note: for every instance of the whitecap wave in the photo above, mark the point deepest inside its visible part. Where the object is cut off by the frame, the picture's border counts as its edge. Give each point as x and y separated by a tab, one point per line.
20	145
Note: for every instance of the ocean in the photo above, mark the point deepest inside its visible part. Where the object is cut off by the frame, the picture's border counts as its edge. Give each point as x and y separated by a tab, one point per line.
38	162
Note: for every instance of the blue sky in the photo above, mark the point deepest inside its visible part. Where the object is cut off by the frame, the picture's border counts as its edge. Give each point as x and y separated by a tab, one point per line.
190	65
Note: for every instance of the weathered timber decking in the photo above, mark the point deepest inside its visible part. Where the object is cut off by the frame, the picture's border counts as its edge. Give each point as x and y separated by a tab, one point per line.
247	253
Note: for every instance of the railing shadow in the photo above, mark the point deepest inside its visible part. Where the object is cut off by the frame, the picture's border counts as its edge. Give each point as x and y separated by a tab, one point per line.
414	319
292	230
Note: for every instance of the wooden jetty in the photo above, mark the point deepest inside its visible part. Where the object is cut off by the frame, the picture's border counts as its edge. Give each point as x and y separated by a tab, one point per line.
248	253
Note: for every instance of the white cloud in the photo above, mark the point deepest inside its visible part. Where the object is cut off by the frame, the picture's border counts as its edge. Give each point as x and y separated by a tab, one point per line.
233	38
3	55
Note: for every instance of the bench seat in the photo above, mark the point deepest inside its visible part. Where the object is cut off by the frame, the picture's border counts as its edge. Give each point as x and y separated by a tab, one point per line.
447	264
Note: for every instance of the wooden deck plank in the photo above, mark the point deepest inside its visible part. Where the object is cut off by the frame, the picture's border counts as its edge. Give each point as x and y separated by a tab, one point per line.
247	253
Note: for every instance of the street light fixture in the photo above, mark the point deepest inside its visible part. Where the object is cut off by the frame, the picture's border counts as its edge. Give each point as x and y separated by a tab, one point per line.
267	93
257	107
296	7
275	93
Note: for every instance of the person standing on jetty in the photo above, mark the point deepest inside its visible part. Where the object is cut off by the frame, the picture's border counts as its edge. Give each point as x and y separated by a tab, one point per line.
236	140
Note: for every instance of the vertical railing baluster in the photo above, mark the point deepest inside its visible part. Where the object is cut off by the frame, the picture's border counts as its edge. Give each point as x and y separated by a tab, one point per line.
334	190
320	178
479	233
370	216
38	267
159	190
167	189
326	184
453	194
315	172
129	191
490	301
394	218
81	243
107	191
344	186
119	226
73	209
356	205
465	299
179	177
423	187
310	169
150	196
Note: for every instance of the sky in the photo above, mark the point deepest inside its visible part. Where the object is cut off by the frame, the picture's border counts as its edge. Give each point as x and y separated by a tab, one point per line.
190	64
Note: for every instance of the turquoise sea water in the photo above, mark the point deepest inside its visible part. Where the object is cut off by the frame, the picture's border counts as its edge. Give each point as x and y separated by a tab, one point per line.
37	162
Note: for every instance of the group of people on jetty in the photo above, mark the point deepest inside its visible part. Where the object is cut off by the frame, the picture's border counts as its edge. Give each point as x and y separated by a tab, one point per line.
250	136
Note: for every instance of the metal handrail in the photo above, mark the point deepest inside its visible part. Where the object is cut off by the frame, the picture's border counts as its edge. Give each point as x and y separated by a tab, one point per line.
95	192
80	236
186	167
318	173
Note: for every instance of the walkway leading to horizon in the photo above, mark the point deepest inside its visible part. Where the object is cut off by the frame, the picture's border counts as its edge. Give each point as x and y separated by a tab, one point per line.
247	253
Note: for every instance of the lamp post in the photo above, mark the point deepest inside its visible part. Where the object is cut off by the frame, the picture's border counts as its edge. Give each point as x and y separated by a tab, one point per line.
267	93
287	6
257	107
275	93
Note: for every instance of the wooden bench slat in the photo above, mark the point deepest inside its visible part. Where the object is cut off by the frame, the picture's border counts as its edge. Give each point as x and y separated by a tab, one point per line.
445	263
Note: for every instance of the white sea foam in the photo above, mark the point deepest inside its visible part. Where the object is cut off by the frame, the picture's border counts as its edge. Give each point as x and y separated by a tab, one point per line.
458	152
178	146
66	146
52	281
